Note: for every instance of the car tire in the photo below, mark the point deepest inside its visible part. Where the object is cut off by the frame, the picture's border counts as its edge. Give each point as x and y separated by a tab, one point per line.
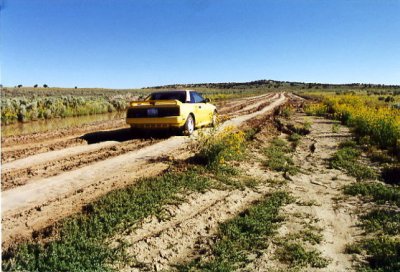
189	126
135	132
214	119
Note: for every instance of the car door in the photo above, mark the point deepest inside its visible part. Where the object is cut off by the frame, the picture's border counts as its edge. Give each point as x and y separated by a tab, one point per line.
202	110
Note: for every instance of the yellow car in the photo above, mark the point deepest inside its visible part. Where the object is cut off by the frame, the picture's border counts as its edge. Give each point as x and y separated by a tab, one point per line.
183	110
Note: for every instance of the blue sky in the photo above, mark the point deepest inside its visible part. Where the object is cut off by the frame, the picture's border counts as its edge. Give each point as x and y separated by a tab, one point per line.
138	43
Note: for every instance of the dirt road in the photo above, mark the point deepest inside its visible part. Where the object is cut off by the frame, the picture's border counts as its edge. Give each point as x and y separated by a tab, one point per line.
190	229
46	180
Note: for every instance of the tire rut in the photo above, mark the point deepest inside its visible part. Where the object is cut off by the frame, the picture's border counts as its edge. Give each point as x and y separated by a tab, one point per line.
8	155
18	177
64	193
192	224
234	108
23	146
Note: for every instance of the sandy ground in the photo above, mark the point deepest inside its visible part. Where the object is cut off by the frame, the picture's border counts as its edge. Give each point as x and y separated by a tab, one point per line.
323	186
190	230
45	184
157	245
319	201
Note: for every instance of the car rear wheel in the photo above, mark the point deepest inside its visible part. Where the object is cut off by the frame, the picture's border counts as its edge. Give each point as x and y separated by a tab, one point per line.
189	125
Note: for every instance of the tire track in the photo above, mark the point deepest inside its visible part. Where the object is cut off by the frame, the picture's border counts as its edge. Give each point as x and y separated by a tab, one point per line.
234	108
23	146
17	176
158	245
20	172
23	206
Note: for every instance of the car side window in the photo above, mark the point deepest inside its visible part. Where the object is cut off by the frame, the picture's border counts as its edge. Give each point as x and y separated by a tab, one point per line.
197	98
192	99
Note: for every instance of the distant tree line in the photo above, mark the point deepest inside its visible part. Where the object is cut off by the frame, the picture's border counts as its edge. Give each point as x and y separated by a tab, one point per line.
271	84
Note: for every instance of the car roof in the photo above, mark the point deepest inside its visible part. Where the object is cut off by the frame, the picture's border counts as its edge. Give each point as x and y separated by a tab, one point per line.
172	91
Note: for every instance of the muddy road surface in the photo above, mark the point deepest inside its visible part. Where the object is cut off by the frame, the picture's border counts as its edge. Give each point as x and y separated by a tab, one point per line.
47	176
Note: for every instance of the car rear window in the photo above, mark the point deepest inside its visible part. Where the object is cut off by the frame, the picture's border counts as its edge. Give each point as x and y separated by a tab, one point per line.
181	96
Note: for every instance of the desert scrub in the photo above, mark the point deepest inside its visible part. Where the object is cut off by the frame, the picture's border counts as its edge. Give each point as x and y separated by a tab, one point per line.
378	192
295	255
248	233
216	149
366	115
29	109
318	109
294	138
287	111
346	158
382	253
18	104
335	128
386	221
277	157
309	235
82	241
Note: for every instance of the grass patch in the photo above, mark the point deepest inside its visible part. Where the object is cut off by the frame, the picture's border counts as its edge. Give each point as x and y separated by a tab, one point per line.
335	128
287	111
348	143
307	203
250	134
277	158
294	138
82	245
311	236
295	255
246	234
382	220
346	158
301	129
230	177
383	254
379	193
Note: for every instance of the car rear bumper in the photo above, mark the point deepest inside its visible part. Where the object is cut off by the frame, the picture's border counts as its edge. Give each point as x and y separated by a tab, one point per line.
157	123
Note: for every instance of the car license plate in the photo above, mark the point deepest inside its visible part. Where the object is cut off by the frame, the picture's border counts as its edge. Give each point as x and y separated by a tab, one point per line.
152	112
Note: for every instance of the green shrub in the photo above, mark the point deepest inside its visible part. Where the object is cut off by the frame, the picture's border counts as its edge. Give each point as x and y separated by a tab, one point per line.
295	139
377	191
383	254
318	109
82	244
278	159
296	255
287	111
245	234
216	149
385	220
27	109
346	159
